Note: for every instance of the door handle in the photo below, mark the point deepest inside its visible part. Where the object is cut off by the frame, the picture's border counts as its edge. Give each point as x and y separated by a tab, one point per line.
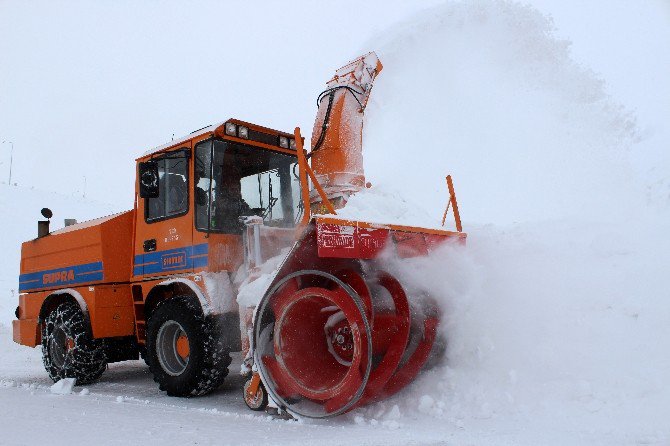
149	245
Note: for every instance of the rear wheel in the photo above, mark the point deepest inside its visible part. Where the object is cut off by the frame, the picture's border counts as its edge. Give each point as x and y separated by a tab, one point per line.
68	350
186	354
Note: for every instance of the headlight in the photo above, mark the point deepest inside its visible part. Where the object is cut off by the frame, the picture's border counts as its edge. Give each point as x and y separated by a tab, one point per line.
283	142
231	129
243	132
291	143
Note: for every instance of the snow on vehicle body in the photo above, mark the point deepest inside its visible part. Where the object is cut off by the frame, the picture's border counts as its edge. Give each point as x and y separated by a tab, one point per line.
184	277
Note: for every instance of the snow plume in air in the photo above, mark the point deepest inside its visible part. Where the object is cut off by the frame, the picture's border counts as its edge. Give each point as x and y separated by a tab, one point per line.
483	91
556	311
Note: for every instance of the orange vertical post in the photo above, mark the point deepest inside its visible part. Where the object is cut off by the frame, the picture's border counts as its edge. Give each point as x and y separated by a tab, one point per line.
454	203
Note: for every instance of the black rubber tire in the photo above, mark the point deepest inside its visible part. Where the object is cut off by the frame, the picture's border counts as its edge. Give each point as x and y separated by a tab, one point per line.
85	361
209	358
143	354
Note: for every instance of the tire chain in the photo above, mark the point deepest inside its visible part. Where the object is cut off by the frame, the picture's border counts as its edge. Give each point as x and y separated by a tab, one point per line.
86	360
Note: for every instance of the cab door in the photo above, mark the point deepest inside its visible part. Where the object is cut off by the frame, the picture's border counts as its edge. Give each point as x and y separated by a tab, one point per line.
163	234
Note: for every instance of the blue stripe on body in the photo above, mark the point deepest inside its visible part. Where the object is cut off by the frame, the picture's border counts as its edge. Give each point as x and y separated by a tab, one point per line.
201	249
59	277
200	262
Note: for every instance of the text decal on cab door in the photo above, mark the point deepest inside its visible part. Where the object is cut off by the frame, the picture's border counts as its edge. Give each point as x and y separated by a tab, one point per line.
186	257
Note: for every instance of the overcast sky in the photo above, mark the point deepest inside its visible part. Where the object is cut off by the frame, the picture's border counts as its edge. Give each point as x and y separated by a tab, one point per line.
86	87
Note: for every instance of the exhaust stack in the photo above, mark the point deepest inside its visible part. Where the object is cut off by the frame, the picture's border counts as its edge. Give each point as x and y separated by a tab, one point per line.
43	225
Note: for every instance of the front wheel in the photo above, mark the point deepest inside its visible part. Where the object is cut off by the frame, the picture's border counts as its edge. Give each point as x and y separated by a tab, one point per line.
255	401
68	351
186	354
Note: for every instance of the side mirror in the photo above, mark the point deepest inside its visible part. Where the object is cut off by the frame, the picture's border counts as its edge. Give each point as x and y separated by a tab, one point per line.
148	174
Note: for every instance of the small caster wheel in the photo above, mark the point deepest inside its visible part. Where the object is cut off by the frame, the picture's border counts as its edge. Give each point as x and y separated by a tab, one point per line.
255	401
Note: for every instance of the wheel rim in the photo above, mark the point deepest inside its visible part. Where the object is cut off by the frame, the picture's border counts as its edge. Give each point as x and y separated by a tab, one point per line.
256	401
172	348
59	346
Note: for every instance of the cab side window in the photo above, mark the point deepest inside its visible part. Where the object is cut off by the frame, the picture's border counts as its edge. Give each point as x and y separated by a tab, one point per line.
172	198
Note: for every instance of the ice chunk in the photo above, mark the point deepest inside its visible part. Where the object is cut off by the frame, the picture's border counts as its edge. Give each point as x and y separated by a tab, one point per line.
64	386
426	404
394	413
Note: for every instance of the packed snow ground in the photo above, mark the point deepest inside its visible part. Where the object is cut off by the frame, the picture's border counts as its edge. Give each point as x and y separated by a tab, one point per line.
557	311
553	340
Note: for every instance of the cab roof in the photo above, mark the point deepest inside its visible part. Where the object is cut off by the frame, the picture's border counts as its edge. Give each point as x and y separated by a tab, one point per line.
215	128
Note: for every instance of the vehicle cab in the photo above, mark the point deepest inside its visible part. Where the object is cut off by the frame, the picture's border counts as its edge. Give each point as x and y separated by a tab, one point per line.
194	195
224	197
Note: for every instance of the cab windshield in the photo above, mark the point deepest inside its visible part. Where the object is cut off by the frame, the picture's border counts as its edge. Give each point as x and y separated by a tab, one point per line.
233	181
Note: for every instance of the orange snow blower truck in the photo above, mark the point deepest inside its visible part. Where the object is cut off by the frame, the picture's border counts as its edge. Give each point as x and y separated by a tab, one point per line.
328	331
